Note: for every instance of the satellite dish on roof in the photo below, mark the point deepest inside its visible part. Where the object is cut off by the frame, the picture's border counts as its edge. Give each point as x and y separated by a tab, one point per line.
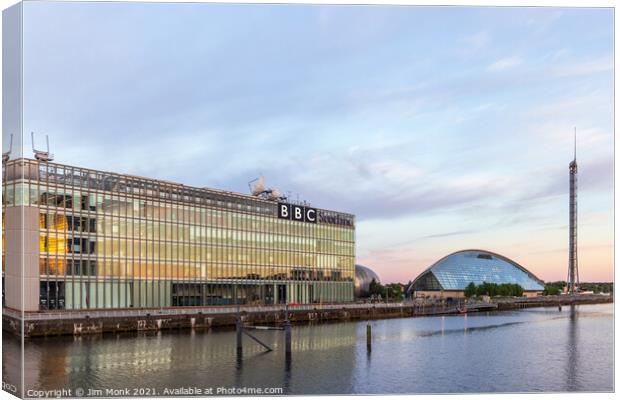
276	192
259	186
261	191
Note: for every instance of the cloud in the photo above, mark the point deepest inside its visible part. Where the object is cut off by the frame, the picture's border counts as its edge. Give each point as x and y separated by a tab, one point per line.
373	185
379	122
477	40
504	63
587	67
443	235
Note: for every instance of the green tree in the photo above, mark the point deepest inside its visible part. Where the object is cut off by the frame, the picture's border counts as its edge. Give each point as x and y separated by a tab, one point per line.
553	289
395	291
518	290
493	289
597	287
375	288
470	290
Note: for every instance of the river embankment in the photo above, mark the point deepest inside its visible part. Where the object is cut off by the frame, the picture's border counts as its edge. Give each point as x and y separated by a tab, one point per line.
52	323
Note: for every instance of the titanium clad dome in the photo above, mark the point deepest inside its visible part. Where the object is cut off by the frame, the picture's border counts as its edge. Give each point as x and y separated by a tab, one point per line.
457	270
363	277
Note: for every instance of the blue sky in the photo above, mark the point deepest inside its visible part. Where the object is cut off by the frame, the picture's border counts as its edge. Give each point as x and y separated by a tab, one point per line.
441	128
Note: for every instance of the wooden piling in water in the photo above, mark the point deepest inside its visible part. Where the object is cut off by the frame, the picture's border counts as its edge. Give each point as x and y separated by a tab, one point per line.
239	335
287	338
368	336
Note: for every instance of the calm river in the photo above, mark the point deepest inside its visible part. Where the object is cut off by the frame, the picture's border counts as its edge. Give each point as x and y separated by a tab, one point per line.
529	350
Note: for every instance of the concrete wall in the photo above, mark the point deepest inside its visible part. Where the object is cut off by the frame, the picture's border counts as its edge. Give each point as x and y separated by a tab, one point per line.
22	258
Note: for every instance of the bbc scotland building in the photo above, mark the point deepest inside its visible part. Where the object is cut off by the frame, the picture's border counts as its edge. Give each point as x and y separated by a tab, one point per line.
76	238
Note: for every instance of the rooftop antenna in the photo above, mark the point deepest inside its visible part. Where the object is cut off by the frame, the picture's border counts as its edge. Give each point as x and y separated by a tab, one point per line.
40	154
5	155
575	158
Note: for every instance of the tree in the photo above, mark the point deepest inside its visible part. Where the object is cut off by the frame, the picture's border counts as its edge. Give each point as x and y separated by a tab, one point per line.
518	290
552	289
493	289
375	288
394	291
597	287
470	290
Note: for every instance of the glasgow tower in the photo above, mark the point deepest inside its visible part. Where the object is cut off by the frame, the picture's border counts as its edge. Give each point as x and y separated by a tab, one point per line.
573	270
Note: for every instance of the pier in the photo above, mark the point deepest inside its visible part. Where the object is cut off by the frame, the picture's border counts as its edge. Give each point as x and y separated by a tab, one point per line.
86	322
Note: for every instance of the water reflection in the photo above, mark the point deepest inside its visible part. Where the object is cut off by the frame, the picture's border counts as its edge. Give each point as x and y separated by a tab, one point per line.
286	382
511	351
572	383
11	361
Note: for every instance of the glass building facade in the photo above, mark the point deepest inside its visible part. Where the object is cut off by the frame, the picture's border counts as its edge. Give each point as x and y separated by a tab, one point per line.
457	270
109	240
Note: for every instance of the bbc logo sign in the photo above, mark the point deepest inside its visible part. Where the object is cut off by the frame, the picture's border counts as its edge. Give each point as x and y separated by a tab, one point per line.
297	213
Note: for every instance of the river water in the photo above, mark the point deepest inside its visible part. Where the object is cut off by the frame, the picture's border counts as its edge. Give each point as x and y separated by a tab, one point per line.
530	350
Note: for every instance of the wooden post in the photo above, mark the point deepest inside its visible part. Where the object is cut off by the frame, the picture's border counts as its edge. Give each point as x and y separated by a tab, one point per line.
239	326
287	334
239	337
257	340
287	338
368	336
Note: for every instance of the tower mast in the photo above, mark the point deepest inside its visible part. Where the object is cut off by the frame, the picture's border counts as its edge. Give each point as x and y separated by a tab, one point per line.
573	271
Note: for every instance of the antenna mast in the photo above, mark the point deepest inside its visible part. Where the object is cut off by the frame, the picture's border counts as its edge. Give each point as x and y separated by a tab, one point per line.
573	271
5	155
575	157
40	154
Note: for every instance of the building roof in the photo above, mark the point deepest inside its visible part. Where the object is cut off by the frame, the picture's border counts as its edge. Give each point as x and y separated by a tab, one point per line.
457	270
159	189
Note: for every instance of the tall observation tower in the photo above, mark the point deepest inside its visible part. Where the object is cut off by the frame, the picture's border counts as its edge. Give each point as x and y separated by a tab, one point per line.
573	271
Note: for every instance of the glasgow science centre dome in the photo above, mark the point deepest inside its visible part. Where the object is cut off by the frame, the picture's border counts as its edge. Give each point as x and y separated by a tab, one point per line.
455	271
363	277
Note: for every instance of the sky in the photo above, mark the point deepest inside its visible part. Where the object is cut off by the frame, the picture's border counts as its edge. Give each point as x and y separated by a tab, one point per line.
440	128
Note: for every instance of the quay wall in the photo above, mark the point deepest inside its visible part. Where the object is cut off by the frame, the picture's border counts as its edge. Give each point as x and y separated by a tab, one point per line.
156	322
95	322
551	301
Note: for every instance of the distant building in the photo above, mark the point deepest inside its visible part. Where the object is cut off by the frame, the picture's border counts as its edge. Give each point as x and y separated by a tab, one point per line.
449	276
363	278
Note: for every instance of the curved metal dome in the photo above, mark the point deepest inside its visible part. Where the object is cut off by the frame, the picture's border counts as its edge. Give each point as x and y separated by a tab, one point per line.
455	271
363	277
